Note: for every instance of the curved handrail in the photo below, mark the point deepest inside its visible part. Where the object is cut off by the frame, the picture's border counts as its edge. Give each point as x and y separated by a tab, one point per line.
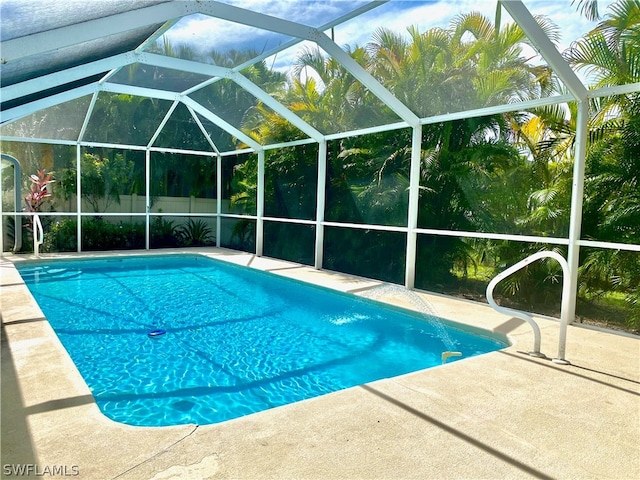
564	320
38	234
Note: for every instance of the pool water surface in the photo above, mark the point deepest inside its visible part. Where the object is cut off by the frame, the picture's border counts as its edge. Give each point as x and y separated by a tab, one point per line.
185	339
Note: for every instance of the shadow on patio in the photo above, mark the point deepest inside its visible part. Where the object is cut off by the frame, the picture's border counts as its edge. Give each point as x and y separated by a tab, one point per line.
17	446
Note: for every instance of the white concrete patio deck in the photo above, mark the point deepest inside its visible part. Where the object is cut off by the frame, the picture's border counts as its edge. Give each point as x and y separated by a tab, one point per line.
502	415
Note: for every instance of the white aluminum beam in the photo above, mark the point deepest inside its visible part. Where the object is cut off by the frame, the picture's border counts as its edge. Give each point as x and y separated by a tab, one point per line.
63	37
412	216
260	206
157	34
182	151
52	141
365	226
203	130
147	201
218	198
614	90
485	111
239	216
87	116
493	236
120	146
545	47
629	247
110	74
242	81
69	75
164	121
276	106
293	143
140	91
226	126
183	65
298	221
367	131
254	19
320	203
242	151
273	24
200	86
28	108
352	14
575	219
78	198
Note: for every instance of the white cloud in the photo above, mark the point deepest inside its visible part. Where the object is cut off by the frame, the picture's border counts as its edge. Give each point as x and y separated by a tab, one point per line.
209	33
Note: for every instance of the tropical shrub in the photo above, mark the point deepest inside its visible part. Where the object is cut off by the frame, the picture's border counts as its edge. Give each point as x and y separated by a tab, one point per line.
103	180
195	233
98	234
164	233
61	236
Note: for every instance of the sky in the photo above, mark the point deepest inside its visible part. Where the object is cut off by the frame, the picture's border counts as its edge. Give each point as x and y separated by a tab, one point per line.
396	15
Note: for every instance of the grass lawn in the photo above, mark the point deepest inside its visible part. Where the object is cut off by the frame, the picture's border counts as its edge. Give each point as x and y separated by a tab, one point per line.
609	310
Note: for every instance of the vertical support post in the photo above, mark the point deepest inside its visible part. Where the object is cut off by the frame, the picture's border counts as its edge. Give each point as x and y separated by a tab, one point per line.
83	129
147	201
260	205
570	290
320	203
218	198
412	218
2	216
575	223
79	196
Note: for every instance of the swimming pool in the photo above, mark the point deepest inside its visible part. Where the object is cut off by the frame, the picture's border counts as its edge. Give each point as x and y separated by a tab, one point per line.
229	340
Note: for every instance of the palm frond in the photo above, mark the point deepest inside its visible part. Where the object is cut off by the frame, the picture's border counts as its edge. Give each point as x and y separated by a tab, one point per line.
588	8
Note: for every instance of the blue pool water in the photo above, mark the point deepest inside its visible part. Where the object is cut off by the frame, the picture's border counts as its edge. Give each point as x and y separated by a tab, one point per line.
235	341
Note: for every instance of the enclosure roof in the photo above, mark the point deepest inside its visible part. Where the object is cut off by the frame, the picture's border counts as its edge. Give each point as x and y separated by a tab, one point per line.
74	52
68	34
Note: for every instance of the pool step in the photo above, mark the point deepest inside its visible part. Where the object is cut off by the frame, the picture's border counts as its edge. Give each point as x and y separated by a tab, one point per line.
48	273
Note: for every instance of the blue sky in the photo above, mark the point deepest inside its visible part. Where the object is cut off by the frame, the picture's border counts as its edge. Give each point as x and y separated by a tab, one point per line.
396	15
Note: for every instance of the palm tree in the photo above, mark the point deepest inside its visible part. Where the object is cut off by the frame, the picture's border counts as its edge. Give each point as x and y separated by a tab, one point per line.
472	64
610	53
612	212
468	166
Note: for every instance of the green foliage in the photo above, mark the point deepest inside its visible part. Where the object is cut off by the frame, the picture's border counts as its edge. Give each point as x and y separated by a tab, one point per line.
97	234
61	236
195	233
164	233
293	242
369	253
290	182
504	173
612	212
369	179
9	232
177	175
243	235
103	180
242	185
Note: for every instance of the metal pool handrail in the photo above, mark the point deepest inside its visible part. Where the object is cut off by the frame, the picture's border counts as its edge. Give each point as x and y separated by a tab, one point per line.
564	320
38	234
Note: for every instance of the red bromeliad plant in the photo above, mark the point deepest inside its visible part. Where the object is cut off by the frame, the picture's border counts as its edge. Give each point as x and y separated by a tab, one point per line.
38	193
